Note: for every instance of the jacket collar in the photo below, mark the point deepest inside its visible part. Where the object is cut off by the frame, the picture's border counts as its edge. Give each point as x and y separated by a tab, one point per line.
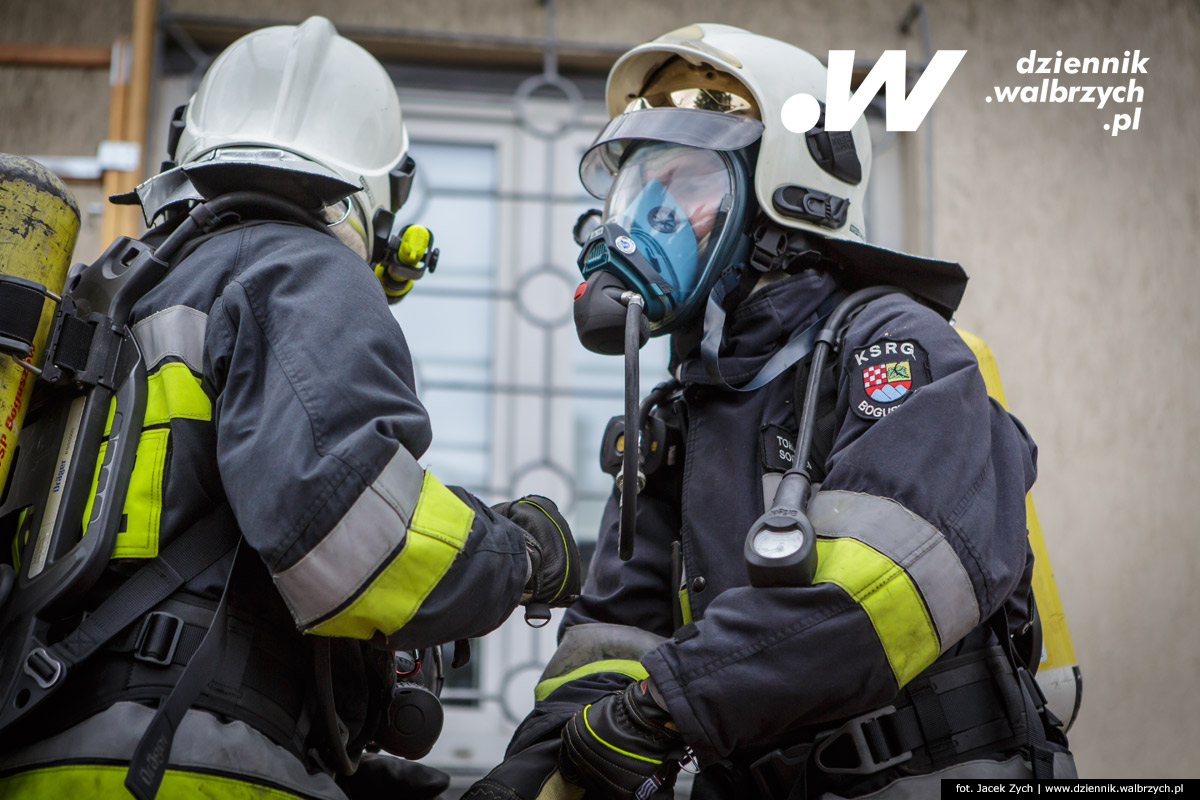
755	329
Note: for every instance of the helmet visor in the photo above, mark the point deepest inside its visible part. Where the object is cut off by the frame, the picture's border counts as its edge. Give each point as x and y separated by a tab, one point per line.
710	130
673	200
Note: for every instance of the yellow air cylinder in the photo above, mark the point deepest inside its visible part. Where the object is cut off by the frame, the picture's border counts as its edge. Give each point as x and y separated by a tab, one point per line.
39	222
1058	672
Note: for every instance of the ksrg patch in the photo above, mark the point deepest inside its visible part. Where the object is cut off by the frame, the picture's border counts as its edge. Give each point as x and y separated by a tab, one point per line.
884	374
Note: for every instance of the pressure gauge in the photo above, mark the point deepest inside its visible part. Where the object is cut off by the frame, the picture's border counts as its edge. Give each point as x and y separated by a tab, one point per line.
780	549
777	544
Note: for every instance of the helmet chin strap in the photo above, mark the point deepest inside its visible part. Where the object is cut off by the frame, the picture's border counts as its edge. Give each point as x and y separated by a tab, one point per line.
350	230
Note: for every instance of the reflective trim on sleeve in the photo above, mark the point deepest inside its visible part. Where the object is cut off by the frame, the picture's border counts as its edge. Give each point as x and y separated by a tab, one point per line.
901	570
594	647
632	669
436	535
175	331
361	543
888	596
912	544
592	642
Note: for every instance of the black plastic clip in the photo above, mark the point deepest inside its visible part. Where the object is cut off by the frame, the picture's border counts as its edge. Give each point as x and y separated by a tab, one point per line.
44	668
863	732
770	246
158	638
811	205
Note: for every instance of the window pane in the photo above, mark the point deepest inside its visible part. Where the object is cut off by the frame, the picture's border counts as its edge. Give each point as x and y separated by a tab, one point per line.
448	318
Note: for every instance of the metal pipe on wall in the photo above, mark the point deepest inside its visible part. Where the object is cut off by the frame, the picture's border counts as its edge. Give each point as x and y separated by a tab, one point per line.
128	116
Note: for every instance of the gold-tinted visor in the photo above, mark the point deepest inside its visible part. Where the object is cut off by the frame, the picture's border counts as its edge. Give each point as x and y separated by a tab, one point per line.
681	84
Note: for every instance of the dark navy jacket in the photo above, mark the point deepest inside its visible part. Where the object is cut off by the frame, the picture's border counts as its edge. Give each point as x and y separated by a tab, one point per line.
282	401
920	515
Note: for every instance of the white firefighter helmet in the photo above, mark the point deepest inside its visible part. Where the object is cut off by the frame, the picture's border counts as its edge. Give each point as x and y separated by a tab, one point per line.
306	100
723	68
814	182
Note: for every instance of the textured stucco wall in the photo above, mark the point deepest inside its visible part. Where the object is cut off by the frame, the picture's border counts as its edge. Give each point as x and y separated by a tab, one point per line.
1081	247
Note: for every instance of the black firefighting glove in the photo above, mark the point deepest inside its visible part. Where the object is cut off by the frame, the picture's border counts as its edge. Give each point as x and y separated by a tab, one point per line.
622	747
379	775
521	776
554	580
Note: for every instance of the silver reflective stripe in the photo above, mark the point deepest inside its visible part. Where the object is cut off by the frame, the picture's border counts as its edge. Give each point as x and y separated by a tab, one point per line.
176	331
363	540
203	743
912	544
599	641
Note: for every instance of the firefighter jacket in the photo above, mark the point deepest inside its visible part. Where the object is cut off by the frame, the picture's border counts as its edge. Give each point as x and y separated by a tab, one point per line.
281	398
920	517
277	338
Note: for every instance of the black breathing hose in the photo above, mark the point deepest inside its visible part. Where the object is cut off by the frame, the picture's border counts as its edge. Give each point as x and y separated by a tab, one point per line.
824	344
780	548
630	474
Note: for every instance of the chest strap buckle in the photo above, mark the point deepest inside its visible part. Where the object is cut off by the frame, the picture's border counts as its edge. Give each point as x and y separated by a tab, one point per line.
860	740
158	638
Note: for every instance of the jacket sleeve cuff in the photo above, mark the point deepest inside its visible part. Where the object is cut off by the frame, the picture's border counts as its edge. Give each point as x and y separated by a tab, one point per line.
674	694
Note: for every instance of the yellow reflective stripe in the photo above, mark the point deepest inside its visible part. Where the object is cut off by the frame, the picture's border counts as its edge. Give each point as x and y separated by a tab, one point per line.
173	392
19	540
633	669
614	747
138	536
889	597
685	606
436	534
108	780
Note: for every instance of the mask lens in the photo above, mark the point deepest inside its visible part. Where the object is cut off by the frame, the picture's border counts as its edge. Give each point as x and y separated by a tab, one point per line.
670	199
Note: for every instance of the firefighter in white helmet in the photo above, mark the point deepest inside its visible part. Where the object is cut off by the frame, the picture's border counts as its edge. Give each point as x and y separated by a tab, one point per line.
881	664
281	419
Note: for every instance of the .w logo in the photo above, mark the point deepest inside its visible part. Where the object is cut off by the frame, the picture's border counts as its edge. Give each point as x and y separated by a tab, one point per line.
843	107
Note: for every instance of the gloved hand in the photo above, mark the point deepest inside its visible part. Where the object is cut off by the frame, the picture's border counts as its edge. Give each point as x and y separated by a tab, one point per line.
554	580
623	746
380	775
521	776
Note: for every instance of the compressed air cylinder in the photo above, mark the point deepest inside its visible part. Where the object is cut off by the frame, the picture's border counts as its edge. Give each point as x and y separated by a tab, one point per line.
1058	670
39	222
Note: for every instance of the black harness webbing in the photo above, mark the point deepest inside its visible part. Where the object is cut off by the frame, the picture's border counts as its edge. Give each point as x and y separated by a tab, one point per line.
255	682
795	349
149	761
970	706
21	304
194	551
1039	719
